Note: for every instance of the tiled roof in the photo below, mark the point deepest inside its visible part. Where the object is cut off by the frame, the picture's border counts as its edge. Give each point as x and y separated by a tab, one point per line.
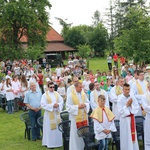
58	47
52	35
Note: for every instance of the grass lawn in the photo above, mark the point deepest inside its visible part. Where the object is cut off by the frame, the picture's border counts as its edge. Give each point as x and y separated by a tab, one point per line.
12	134
97	64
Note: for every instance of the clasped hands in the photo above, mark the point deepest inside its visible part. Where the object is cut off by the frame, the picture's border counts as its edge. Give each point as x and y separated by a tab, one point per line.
80	106
129	102
106	131
36	109
56	105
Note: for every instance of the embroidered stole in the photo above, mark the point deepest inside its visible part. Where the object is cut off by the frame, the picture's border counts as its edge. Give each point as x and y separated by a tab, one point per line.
81	118
139	88
141	92
96	96
54	118
118	90
72	88
98	114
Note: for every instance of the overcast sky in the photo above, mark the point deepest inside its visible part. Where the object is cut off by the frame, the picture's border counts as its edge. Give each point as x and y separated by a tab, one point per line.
75	11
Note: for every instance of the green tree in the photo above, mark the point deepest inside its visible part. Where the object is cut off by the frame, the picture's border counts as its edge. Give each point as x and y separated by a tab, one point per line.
26	18
34	52
96	18
98	39
74	37
84	51
134	42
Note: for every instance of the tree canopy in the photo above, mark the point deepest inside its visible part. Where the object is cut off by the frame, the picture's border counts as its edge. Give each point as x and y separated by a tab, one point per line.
23	18
134	41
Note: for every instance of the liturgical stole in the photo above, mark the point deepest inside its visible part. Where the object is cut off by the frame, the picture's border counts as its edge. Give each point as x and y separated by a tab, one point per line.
54	119
140	92
118	90
81	118
96	96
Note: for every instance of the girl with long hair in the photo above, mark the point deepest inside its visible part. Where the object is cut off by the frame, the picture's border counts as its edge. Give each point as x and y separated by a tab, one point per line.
9	95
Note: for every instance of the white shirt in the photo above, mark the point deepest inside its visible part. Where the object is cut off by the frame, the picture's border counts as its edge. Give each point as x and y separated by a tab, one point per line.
17	70
9	95
61	91
58	71
86	85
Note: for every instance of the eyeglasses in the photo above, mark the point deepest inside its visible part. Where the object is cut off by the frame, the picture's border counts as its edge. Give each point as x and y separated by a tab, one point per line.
52	87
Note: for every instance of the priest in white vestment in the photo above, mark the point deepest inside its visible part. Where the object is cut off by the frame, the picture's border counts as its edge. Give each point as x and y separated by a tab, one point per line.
94	96
133	79
78	106
52	103
146	106
138	89
72	87
115	93
127	107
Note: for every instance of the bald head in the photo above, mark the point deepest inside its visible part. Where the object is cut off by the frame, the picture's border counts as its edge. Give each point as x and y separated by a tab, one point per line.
33	86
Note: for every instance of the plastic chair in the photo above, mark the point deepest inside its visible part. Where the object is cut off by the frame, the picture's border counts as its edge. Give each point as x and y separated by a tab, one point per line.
139	120
91	122
40	122
25	118
87	133
64	127
116	136
64	115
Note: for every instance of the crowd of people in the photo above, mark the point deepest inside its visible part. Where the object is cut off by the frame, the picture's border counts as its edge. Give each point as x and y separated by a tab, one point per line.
104	97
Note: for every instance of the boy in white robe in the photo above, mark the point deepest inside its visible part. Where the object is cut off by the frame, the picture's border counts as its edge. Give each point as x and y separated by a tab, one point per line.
103	123
127	107
74	107
138	89
146	106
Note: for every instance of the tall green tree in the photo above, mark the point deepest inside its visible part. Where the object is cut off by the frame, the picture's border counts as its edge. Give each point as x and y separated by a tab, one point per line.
134	42
74	37
23	18
98	39
96	18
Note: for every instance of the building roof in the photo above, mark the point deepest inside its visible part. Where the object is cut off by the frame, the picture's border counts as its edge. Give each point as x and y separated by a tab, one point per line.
52	35
58	47
55	42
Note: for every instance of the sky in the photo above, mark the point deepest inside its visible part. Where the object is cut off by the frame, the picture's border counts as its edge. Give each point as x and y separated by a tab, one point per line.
78	12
